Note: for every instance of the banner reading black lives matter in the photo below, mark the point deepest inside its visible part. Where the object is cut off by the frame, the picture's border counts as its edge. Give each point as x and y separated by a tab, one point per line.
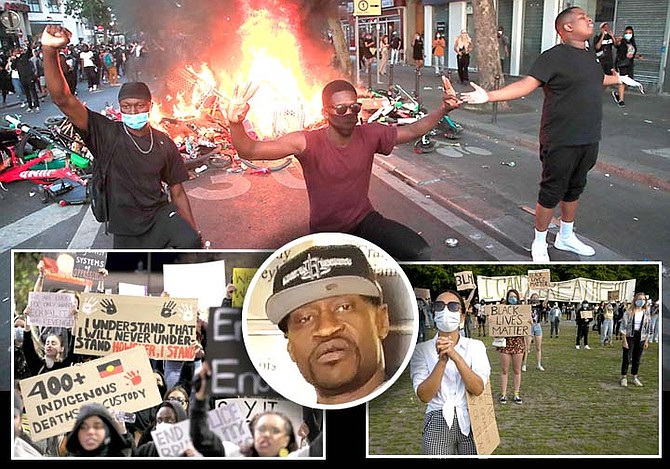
165	326
121	381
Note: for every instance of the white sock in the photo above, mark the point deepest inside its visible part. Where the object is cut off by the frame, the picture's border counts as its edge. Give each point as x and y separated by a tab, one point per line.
540	236
566	229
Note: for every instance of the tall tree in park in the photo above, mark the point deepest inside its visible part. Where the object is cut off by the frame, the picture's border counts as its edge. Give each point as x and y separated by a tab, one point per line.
486	45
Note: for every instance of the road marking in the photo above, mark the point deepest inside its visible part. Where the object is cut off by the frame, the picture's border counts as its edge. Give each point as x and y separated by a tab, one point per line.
86	232
237	185
37	222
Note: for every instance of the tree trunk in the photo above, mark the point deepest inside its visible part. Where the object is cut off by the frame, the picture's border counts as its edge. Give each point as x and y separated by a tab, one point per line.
340	45
490	74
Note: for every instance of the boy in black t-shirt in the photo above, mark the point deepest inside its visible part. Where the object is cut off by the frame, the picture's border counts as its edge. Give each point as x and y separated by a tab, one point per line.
570	130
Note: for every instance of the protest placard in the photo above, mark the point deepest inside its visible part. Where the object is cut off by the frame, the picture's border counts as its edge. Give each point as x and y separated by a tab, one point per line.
587	314
465	280
539	278
612	295
172	440
508	320
50	309
229	423
165	326
483	421
121	381
87	264
241	278
251	406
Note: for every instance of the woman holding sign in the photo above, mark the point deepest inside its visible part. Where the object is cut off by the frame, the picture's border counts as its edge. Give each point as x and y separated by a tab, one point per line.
511	352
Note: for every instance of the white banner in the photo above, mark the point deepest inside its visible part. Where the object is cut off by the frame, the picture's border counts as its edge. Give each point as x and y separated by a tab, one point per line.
575	290
205	281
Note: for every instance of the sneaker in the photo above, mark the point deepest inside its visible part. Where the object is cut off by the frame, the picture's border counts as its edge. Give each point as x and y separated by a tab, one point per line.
539	252
517	400
624	382
573	244
621	104
637	382
615	96
577	347
586	347
523	367
502	399
540	367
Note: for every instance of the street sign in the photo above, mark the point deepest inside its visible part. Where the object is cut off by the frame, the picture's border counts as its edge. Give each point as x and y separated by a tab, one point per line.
367	7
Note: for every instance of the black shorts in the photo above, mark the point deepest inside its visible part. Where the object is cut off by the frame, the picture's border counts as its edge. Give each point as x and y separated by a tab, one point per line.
564	170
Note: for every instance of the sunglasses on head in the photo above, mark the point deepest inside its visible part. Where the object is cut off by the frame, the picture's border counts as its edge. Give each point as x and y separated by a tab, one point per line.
453	306
341	109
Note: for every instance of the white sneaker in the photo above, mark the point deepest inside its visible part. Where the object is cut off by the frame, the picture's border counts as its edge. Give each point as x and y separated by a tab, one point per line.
540	367
577	347
523	367
624	382
637	382
539	252
586	347
573	244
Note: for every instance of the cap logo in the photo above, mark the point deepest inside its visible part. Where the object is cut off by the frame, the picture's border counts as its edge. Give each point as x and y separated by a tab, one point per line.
313	268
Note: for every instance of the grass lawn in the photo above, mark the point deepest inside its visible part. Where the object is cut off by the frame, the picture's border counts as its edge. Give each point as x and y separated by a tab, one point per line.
575	407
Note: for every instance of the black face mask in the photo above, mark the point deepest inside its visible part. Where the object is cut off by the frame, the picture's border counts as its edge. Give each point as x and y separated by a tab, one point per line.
344	125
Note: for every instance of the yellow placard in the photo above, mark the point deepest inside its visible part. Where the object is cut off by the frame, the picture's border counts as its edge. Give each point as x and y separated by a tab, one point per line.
241	279
367	7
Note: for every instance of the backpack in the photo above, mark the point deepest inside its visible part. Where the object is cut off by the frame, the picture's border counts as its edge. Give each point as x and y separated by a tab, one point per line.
108	60
96	191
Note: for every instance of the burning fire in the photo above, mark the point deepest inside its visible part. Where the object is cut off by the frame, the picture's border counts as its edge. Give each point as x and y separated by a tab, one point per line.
289	94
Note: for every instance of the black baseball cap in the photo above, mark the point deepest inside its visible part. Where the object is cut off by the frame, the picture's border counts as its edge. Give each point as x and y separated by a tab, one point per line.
320	272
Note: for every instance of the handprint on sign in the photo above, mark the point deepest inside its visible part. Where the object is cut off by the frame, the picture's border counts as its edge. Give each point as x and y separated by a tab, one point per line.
134	377
108	306
167	310
187	312
89	305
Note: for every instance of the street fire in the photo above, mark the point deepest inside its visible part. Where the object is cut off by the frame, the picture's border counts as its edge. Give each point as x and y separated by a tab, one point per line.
271	56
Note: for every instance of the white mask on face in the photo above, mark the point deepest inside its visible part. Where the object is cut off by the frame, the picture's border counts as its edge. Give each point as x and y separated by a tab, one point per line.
446	321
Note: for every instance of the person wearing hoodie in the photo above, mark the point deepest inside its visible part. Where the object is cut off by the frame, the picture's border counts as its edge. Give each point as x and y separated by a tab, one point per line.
97	434
169	412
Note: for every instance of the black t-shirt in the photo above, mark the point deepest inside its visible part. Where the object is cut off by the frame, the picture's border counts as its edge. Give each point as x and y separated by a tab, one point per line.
134	180
572	81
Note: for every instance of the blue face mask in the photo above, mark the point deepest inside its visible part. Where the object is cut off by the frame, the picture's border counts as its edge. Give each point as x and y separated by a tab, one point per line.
639	303
135	121
512	300
628	37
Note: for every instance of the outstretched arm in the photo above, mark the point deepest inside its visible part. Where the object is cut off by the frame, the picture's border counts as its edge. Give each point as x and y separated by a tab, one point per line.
515	90
53	39
253	149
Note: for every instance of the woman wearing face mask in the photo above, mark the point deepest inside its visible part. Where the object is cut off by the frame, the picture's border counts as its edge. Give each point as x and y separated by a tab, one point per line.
583	325
442	370
635	326
512	353
417	51
626	53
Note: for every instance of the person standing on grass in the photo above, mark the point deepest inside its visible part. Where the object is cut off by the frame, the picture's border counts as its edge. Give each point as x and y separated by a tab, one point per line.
635	327
512	352
443	370
583	325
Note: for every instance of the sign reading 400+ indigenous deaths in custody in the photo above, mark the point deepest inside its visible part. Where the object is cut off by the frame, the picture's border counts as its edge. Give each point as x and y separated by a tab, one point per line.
508	320
165	326
121	381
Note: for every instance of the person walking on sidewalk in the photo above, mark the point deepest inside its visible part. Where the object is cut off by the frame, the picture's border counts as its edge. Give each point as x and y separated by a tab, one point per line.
626	53
570	129
337	164
439	44
635	327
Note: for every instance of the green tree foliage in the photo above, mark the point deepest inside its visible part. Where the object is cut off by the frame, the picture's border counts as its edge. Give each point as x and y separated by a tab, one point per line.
97	10
440	277
25	274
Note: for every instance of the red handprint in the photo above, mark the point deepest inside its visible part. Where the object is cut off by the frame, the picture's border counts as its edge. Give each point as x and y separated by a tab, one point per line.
133	377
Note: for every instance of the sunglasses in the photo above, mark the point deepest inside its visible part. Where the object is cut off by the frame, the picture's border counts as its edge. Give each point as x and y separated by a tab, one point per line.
341	109
453	306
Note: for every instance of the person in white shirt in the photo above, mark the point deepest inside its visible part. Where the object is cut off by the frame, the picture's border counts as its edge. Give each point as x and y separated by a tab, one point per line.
443	369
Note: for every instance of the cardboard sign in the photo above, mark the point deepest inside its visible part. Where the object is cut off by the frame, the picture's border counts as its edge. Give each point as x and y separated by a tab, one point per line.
233	374
51	309
465	280
241	279
121	381
587	314
422	293
252	406
539	278
508	320
483	421
229	423
173	440
88	264
165	326
612	295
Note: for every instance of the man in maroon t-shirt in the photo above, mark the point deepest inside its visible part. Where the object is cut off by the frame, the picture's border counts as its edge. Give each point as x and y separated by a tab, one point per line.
337	165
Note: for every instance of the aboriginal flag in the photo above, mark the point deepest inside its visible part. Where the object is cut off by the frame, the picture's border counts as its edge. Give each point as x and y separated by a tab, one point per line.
110	368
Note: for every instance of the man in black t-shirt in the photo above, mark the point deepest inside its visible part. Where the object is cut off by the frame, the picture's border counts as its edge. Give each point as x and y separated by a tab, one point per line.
139	161
603	43
570	129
